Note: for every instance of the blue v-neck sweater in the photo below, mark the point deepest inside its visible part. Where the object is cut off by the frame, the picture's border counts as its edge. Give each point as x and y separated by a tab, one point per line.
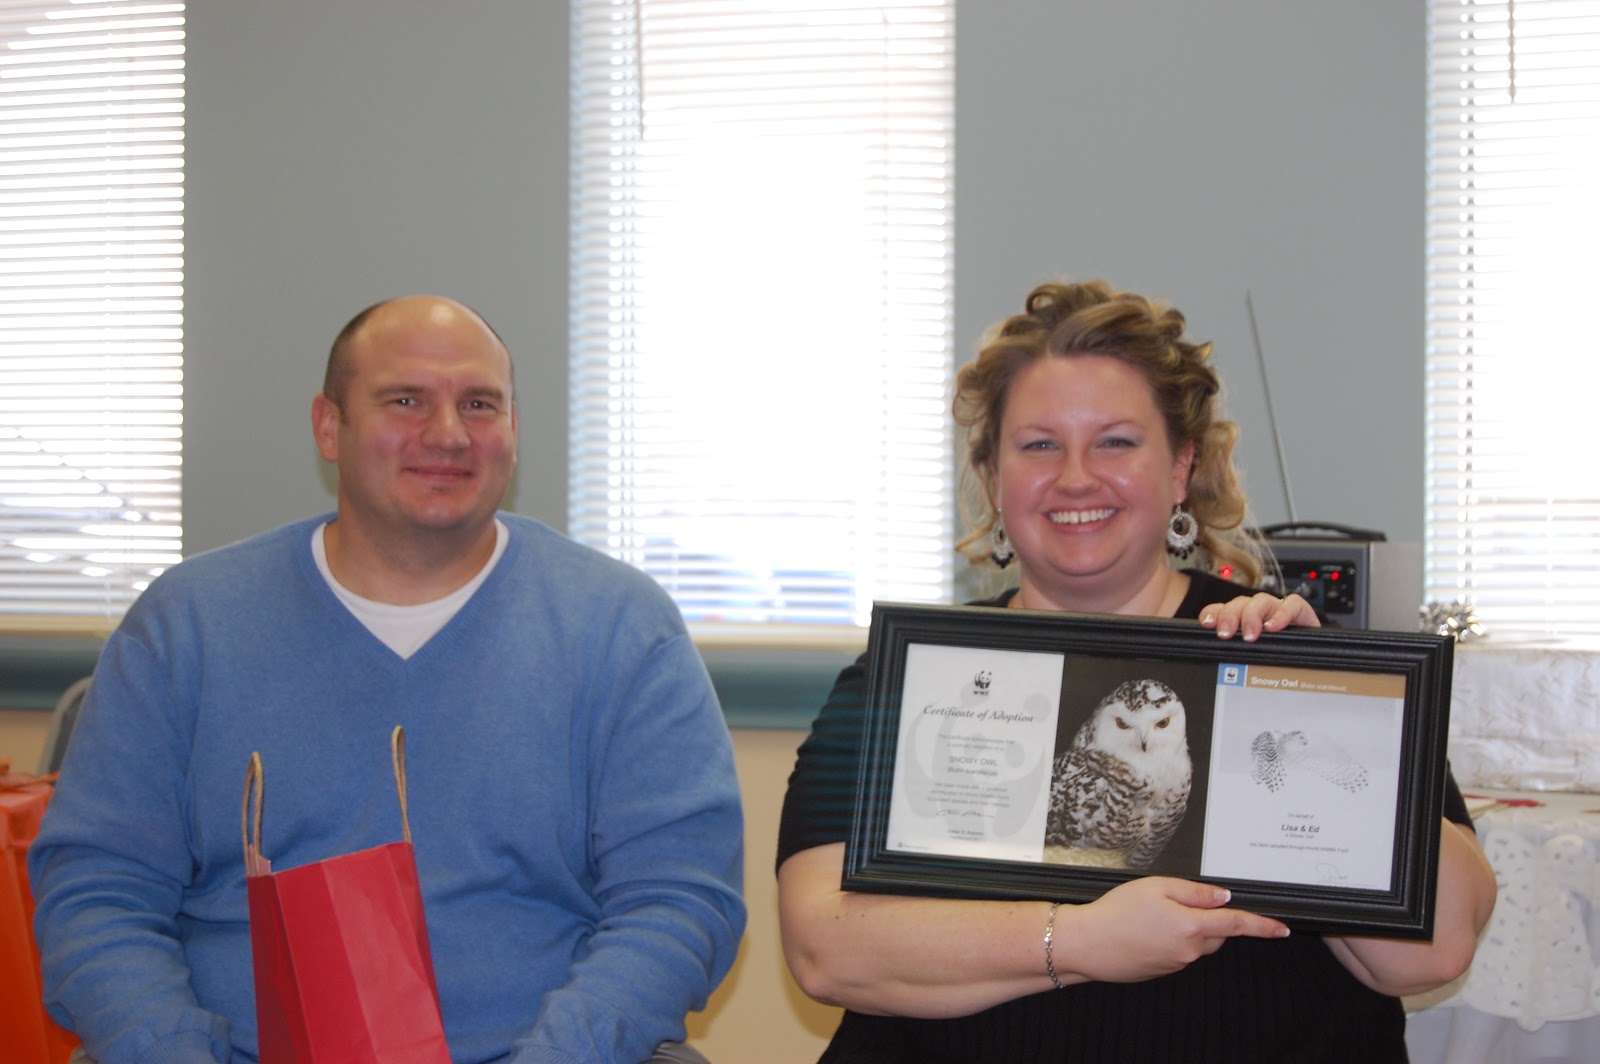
573	803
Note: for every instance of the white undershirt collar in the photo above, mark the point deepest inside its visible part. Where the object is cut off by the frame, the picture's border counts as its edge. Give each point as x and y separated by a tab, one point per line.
404	629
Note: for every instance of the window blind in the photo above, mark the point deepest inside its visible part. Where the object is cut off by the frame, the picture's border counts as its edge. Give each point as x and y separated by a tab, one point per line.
1513	507
91	304
760	306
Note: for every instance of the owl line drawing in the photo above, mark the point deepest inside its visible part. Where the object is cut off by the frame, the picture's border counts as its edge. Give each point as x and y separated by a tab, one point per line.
1275	756
1122	785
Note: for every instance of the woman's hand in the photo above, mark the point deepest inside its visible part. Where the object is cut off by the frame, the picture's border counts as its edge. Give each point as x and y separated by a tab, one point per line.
1250	615
931	957
1150	927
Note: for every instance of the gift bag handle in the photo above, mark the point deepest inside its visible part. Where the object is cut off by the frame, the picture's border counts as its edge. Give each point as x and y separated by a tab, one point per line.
255	783
254	864
397	748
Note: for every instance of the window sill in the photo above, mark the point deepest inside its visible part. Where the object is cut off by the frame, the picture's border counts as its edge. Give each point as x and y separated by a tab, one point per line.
763	680
37	665
776	677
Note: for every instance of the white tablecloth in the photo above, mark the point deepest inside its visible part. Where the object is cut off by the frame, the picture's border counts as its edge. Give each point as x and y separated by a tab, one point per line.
1533	992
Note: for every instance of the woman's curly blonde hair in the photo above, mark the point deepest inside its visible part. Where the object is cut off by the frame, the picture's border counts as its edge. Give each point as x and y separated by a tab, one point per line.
1062	320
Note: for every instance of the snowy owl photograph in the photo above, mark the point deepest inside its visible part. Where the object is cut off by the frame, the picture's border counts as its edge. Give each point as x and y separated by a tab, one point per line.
1121	787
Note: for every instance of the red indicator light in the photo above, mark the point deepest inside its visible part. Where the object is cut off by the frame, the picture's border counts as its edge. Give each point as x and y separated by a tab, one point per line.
1333	576
1227	572
1312	575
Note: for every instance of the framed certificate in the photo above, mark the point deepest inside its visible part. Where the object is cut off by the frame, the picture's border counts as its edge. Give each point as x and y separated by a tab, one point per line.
1019	754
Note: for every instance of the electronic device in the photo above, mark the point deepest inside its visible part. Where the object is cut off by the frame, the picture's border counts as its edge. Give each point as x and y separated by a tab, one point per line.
1353	576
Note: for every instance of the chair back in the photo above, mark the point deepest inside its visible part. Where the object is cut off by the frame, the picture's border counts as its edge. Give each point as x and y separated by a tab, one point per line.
62	720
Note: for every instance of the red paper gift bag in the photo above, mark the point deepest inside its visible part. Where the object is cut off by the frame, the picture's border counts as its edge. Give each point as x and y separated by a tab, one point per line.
343	970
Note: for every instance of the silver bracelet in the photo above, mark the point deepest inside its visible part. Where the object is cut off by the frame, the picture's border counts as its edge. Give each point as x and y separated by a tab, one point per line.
1049	946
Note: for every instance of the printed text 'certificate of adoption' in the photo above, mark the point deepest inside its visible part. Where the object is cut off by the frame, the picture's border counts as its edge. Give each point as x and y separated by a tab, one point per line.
972	768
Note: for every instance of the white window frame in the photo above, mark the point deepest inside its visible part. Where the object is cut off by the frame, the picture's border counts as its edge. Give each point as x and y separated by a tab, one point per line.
695	344
91	307
1513	487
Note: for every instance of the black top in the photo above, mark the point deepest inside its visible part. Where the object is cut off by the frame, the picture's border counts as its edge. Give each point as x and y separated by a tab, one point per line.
1253	1000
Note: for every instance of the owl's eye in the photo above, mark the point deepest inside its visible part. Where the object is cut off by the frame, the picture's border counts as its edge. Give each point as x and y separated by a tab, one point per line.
1124	725
1163	722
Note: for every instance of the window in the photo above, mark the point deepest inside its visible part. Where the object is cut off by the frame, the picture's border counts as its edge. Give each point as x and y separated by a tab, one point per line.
1513	508
91	305
761	301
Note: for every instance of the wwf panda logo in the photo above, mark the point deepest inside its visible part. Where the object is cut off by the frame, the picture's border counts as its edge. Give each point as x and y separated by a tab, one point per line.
981	682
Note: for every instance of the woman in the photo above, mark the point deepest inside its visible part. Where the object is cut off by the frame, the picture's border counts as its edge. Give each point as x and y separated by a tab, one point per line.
1097	452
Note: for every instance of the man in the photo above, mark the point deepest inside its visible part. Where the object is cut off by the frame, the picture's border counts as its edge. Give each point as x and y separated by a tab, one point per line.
572	796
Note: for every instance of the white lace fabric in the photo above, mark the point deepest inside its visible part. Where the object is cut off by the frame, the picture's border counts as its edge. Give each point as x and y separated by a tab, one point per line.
1536	960
1526	717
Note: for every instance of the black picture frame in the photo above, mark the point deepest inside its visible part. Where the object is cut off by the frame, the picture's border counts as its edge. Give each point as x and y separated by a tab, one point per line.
1384	695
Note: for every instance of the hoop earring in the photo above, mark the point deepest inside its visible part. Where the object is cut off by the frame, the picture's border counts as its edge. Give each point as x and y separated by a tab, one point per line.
1182	532
1001	550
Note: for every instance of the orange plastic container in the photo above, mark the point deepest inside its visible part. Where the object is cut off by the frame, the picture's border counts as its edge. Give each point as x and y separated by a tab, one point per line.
29	1035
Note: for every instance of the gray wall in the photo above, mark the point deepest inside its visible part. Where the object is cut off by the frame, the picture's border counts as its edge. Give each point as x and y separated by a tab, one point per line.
343	152
1196	151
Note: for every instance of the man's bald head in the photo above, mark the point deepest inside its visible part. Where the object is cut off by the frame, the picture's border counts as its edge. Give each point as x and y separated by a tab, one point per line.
336	378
